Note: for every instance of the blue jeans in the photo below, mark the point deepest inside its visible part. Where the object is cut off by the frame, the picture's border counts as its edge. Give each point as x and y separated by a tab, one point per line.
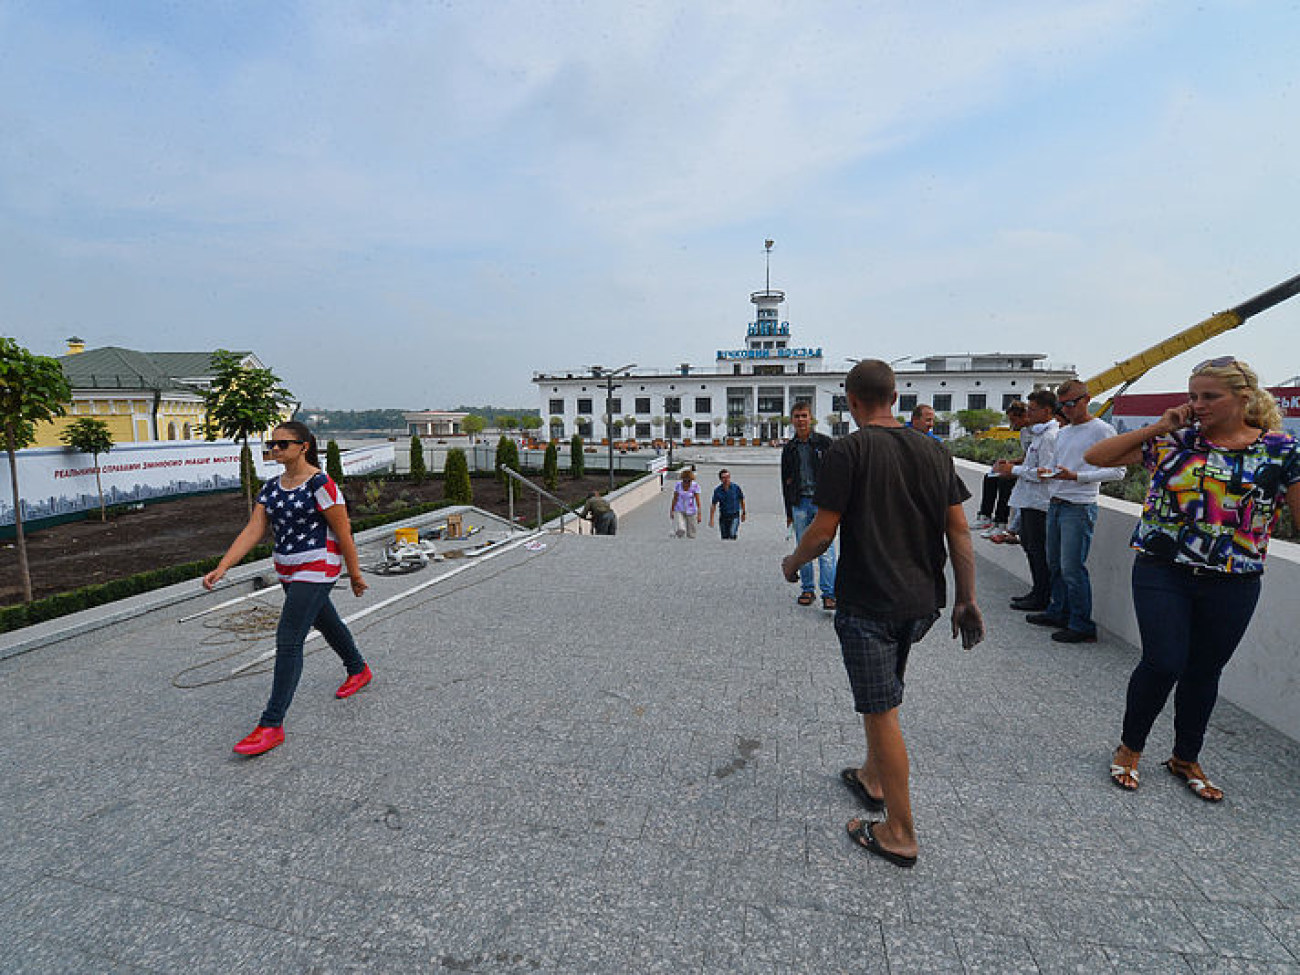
728	524
1069	536
1191	624
802	514
306	604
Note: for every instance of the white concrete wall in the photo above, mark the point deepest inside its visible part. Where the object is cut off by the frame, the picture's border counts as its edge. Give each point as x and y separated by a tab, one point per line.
1264	674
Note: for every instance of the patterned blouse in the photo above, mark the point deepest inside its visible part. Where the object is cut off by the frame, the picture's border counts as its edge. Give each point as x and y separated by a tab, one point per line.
306	549
1211	507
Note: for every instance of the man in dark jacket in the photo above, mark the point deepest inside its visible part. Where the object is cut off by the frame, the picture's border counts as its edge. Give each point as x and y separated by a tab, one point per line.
801	459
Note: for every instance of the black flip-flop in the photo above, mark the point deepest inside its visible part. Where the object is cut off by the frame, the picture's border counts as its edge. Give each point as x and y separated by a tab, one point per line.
869	802
865	838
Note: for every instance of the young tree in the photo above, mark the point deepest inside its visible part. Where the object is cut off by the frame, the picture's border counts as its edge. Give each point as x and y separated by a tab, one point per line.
473	425
577	462
530	422
977	421
507	456
247	470
551	466
456	486
243	401
418	470
90	436
33	390
334	462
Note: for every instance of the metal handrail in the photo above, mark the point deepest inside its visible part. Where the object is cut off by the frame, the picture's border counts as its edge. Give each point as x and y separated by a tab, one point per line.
540	492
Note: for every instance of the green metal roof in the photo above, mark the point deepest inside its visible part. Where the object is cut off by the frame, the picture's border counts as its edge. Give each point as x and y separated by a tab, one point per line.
111	367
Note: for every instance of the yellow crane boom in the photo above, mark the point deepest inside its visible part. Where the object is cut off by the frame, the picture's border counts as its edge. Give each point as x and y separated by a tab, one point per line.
1128	370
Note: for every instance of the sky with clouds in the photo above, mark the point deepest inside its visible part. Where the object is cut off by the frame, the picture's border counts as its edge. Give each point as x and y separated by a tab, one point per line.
420	204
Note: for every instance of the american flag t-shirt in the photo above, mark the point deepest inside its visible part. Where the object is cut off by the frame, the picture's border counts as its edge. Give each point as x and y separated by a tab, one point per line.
306	550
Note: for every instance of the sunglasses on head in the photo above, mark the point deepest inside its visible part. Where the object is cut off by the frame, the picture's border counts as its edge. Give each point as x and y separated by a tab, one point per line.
281	444
1222	362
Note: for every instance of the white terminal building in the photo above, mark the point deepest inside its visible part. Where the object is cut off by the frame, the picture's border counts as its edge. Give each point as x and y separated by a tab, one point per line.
748	391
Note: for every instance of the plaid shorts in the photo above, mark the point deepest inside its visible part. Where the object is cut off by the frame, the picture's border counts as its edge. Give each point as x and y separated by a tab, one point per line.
875	657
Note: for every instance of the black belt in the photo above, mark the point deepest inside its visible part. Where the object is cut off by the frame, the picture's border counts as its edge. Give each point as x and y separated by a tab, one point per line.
1199	570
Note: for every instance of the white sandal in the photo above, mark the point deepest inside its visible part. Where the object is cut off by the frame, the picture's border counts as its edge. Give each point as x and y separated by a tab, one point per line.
1196	779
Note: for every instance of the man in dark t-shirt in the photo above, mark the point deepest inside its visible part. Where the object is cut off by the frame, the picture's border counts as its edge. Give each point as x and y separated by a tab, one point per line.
894	497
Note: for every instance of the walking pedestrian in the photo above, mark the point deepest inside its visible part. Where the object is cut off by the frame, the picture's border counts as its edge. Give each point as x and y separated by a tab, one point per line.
313	540
685	510
1220	468
729	505
895	498
801	459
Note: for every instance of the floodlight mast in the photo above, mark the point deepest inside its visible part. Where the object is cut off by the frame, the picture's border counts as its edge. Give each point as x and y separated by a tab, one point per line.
600	372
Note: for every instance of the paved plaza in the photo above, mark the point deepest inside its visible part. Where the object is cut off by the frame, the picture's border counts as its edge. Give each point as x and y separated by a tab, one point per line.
617	755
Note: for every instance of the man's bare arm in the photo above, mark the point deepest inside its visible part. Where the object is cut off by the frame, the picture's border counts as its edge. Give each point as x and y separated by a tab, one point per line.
816	540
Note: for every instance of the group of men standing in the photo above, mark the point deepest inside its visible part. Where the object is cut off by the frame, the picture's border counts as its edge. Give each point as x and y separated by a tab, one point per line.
1055	495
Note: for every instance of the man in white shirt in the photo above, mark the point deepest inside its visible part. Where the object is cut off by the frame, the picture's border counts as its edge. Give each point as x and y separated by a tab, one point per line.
1030	497
1071	514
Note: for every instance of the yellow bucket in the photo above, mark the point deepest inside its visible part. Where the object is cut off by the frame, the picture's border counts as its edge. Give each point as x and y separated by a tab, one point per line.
407	536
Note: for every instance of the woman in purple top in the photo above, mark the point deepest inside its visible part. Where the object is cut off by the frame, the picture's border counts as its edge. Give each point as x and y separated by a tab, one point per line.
685	511
1220	470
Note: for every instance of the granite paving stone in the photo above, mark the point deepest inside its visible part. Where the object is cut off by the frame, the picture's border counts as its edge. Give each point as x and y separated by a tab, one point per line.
618	755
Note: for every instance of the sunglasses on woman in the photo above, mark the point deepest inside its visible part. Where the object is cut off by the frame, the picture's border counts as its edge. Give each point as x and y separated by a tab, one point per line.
281	444
1222	362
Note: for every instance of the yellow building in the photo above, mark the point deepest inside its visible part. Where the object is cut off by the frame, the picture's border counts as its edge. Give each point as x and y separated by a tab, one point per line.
142	396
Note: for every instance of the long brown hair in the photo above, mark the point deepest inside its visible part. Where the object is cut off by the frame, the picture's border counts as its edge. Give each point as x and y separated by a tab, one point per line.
300	432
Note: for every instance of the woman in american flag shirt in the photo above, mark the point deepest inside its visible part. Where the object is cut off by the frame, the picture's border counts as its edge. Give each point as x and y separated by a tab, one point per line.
313	540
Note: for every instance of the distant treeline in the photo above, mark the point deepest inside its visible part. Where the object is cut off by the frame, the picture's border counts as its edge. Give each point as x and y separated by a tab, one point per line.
344	420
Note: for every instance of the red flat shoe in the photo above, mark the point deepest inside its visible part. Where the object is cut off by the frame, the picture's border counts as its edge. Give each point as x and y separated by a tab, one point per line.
261	740
354	683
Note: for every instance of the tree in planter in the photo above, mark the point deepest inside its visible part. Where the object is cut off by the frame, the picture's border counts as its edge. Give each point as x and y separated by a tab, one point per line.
551	466
418	471
718	427
33	390
243	401
688	423
507	422
334	462
831	419
507	456
473	425
556	428
91	436
456	486
629	424
657	424
577	460
618	428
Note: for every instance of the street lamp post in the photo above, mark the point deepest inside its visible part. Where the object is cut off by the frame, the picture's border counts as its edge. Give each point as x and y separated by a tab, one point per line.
600	372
